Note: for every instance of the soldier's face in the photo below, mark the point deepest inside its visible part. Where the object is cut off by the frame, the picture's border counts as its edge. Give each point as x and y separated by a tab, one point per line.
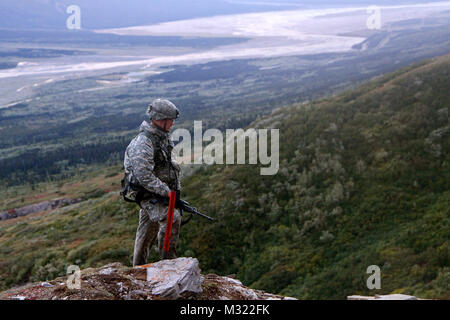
165	124
168	123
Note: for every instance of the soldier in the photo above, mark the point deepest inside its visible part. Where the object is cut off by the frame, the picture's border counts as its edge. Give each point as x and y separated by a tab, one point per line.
149	160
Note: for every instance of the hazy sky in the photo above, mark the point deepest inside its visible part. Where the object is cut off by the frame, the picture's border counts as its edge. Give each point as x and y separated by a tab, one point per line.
27	14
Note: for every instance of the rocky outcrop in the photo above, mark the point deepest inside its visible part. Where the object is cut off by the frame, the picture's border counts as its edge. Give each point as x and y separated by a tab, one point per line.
164	280
38	207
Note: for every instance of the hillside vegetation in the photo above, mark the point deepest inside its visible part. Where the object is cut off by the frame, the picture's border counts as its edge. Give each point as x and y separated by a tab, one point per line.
363	180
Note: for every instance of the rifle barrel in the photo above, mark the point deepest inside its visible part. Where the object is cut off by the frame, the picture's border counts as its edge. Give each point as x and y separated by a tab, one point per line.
204	216
194	211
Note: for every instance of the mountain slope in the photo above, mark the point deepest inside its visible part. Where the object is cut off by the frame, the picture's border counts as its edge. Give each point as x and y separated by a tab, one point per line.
363	180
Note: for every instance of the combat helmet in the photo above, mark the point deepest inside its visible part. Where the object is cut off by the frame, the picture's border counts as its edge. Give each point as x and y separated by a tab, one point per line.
161	109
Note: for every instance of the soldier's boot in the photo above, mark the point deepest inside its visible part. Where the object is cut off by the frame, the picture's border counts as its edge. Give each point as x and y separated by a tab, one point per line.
146	232
173	236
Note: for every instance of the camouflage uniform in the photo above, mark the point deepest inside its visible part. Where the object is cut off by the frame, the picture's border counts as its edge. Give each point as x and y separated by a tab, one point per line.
149	159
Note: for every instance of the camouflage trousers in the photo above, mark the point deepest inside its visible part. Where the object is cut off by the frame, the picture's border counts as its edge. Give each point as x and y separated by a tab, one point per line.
152	225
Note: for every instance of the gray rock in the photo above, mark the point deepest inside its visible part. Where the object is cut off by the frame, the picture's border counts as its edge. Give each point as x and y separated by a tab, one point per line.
38	207
395	297
46	285
171	278
383	297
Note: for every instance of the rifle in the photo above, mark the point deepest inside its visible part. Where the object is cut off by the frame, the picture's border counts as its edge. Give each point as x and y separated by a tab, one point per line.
181	205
